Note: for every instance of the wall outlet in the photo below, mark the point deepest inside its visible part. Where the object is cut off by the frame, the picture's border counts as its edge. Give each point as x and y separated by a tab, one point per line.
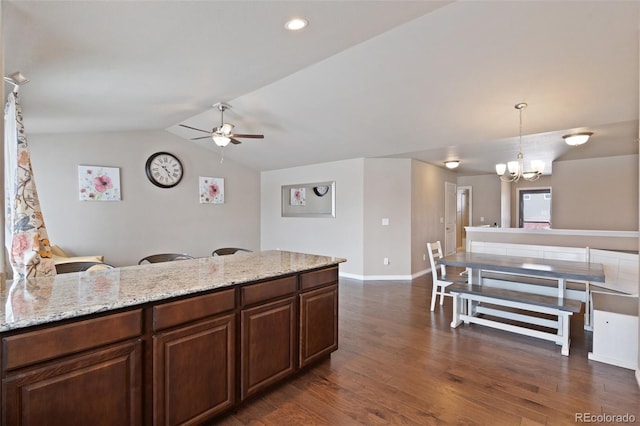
424	257
385	221
385	261
481	218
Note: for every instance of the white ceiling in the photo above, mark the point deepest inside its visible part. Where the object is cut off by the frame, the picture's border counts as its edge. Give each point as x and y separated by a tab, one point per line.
420	79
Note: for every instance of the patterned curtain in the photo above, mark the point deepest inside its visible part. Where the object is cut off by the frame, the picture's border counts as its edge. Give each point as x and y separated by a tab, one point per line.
26	237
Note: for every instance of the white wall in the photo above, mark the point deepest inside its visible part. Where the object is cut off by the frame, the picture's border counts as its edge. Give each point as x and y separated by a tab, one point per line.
387	194
341	236
148	219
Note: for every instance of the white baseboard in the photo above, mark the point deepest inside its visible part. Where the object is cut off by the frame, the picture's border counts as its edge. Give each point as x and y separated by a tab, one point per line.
384	277
638	376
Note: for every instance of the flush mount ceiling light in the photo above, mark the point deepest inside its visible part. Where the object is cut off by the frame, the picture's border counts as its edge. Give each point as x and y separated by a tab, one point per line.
296	24
516	168
577	138
452	164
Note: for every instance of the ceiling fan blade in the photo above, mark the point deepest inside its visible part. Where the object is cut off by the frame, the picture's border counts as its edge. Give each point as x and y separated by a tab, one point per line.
234	141
202	137
237	135
193	128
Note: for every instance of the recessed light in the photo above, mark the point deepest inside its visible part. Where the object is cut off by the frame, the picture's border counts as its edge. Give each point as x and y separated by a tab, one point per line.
296	24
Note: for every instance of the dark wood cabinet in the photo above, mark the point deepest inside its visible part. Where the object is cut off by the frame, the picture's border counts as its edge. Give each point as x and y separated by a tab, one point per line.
181	361
318	323
268	339
99	387
194	371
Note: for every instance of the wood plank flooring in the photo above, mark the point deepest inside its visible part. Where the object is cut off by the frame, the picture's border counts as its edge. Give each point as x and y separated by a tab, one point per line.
400	364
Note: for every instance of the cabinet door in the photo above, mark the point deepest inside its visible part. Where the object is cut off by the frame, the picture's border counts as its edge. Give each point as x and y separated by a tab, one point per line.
101	387
268	344
318	323
193	370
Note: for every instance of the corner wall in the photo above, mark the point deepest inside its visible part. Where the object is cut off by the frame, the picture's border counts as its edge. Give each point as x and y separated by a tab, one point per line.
427	209
341	236
486	198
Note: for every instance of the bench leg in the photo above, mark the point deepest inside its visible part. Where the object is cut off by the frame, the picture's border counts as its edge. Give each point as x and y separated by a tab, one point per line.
457	307
588	309
563	332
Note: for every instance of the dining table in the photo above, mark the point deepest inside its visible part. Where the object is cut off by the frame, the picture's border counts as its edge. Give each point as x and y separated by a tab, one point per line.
554	269
522	307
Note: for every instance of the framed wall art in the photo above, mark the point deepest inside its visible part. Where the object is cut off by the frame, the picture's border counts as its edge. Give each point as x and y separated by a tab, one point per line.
99	183
316	199
211	190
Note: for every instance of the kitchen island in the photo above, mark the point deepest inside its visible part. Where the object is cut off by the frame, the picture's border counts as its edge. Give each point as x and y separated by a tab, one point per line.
167	343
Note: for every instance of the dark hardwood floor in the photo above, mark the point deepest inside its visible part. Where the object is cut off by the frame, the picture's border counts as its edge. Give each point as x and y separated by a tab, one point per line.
400	364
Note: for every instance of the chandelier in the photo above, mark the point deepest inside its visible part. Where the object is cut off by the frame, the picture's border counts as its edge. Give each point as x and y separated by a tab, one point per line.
514	170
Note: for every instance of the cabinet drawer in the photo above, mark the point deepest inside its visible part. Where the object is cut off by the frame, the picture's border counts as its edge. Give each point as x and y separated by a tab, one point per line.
267	290
183	311
318	278
41	345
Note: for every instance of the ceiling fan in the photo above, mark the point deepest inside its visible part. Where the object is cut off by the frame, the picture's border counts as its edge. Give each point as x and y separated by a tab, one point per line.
222	135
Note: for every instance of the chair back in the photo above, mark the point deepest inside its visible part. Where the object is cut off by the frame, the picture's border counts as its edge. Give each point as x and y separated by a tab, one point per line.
224	251
164	257
435	253
64	268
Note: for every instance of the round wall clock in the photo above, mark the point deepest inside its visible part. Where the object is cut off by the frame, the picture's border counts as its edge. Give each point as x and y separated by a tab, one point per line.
164	169
321	190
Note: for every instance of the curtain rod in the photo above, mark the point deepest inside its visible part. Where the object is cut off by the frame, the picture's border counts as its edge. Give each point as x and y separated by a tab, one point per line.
17	79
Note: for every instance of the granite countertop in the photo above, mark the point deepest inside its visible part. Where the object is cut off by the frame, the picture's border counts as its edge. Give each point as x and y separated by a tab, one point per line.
43	300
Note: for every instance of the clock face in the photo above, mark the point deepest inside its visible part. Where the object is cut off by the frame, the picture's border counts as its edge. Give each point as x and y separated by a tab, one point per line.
321	190
164	169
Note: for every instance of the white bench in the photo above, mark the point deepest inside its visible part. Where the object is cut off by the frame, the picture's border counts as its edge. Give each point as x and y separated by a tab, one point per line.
467	307
621	271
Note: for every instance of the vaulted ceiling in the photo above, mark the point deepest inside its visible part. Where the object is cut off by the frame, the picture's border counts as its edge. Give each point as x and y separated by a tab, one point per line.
416	79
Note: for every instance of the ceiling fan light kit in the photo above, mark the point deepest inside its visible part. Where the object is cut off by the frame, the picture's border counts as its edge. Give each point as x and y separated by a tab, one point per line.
222	135
516	168
221	140
577	138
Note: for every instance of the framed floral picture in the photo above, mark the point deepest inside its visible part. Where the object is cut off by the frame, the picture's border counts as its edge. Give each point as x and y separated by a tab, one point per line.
298	196
99	183
211	190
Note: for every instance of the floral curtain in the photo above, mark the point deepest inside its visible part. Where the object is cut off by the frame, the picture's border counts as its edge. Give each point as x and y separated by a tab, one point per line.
26	237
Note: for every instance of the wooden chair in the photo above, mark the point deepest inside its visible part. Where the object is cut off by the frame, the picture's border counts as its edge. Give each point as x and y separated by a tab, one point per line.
164	257
228	250
63	268
439	279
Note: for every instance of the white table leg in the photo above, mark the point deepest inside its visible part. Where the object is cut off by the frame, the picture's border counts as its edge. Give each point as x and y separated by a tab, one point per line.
457	304
562	285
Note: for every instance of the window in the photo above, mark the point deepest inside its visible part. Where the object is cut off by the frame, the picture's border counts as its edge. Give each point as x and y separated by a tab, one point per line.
535	208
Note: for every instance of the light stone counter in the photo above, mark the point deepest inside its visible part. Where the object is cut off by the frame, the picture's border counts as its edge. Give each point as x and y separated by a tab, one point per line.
45	300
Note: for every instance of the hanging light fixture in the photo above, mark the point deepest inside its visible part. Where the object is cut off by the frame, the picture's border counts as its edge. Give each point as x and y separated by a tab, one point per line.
514	170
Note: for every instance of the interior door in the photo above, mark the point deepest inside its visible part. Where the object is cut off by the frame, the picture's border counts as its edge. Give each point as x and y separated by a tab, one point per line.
450	214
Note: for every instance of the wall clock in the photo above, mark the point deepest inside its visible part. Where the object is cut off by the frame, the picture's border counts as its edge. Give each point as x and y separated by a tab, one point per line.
164	169
321	190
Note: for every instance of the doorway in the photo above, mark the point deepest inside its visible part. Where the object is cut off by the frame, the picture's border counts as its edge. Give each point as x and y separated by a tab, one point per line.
534	208
463	215
450	225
